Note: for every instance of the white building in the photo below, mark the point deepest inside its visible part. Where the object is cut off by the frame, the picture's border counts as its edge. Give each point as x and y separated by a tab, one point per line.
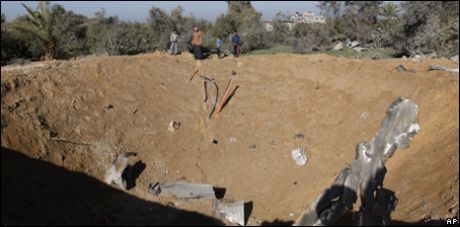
307	18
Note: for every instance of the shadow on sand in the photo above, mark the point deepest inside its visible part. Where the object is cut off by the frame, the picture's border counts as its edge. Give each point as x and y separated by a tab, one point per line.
40	193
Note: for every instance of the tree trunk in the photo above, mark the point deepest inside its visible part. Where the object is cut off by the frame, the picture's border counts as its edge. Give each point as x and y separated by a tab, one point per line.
50	52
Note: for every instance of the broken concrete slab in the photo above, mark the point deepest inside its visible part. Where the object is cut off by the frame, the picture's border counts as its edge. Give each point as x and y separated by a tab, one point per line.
442	68
184	190
233	211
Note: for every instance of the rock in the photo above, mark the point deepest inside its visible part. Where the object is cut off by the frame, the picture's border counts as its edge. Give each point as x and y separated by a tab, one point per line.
173	126
108	107
299	136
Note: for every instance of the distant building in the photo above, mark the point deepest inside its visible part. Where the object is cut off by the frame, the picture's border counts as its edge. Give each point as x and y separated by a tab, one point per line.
307	18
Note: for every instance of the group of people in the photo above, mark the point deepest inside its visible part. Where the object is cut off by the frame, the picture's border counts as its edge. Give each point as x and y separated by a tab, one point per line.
197	41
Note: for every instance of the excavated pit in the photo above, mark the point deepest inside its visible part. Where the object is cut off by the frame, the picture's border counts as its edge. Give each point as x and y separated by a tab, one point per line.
80	114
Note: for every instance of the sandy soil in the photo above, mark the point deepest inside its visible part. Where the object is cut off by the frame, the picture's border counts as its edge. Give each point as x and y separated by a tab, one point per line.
101	106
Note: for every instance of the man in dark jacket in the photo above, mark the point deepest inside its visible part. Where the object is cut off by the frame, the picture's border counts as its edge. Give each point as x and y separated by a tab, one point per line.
236	42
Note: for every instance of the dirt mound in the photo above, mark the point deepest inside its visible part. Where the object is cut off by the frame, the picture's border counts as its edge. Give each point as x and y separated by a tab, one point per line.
80	114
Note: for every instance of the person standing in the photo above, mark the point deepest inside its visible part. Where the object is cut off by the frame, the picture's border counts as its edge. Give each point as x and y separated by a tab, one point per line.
196	43
236	42
174	38
219	45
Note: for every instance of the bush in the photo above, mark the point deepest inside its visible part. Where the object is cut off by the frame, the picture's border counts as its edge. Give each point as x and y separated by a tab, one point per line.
310	37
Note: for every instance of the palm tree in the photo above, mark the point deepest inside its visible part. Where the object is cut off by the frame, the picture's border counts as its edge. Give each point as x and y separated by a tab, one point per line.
41	24
389	11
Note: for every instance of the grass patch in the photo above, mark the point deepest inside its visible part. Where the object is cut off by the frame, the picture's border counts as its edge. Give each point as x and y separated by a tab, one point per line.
274	50
350	53
346	52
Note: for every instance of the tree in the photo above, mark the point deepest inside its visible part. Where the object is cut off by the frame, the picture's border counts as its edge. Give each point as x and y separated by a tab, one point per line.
40	23
161	26
70	32
430	26
310	37
389	11
241	16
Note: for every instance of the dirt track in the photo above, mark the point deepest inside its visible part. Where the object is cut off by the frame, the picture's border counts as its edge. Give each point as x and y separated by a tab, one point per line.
334	102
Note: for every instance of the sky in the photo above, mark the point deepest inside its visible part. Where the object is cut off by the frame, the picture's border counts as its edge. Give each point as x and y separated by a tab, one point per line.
138	10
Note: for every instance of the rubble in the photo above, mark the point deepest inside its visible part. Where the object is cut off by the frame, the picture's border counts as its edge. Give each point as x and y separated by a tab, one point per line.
401	68
233	211
442	68
359	49
299	156
173	126
338	46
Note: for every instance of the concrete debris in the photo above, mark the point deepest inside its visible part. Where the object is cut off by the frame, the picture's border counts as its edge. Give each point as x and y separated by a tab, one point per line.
299	156
173	126
353	43
376	56
366	174
338	46
299	136
416	58
359	49
442	68
119	171
401	68
454	58
233	211
108	107
183	190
